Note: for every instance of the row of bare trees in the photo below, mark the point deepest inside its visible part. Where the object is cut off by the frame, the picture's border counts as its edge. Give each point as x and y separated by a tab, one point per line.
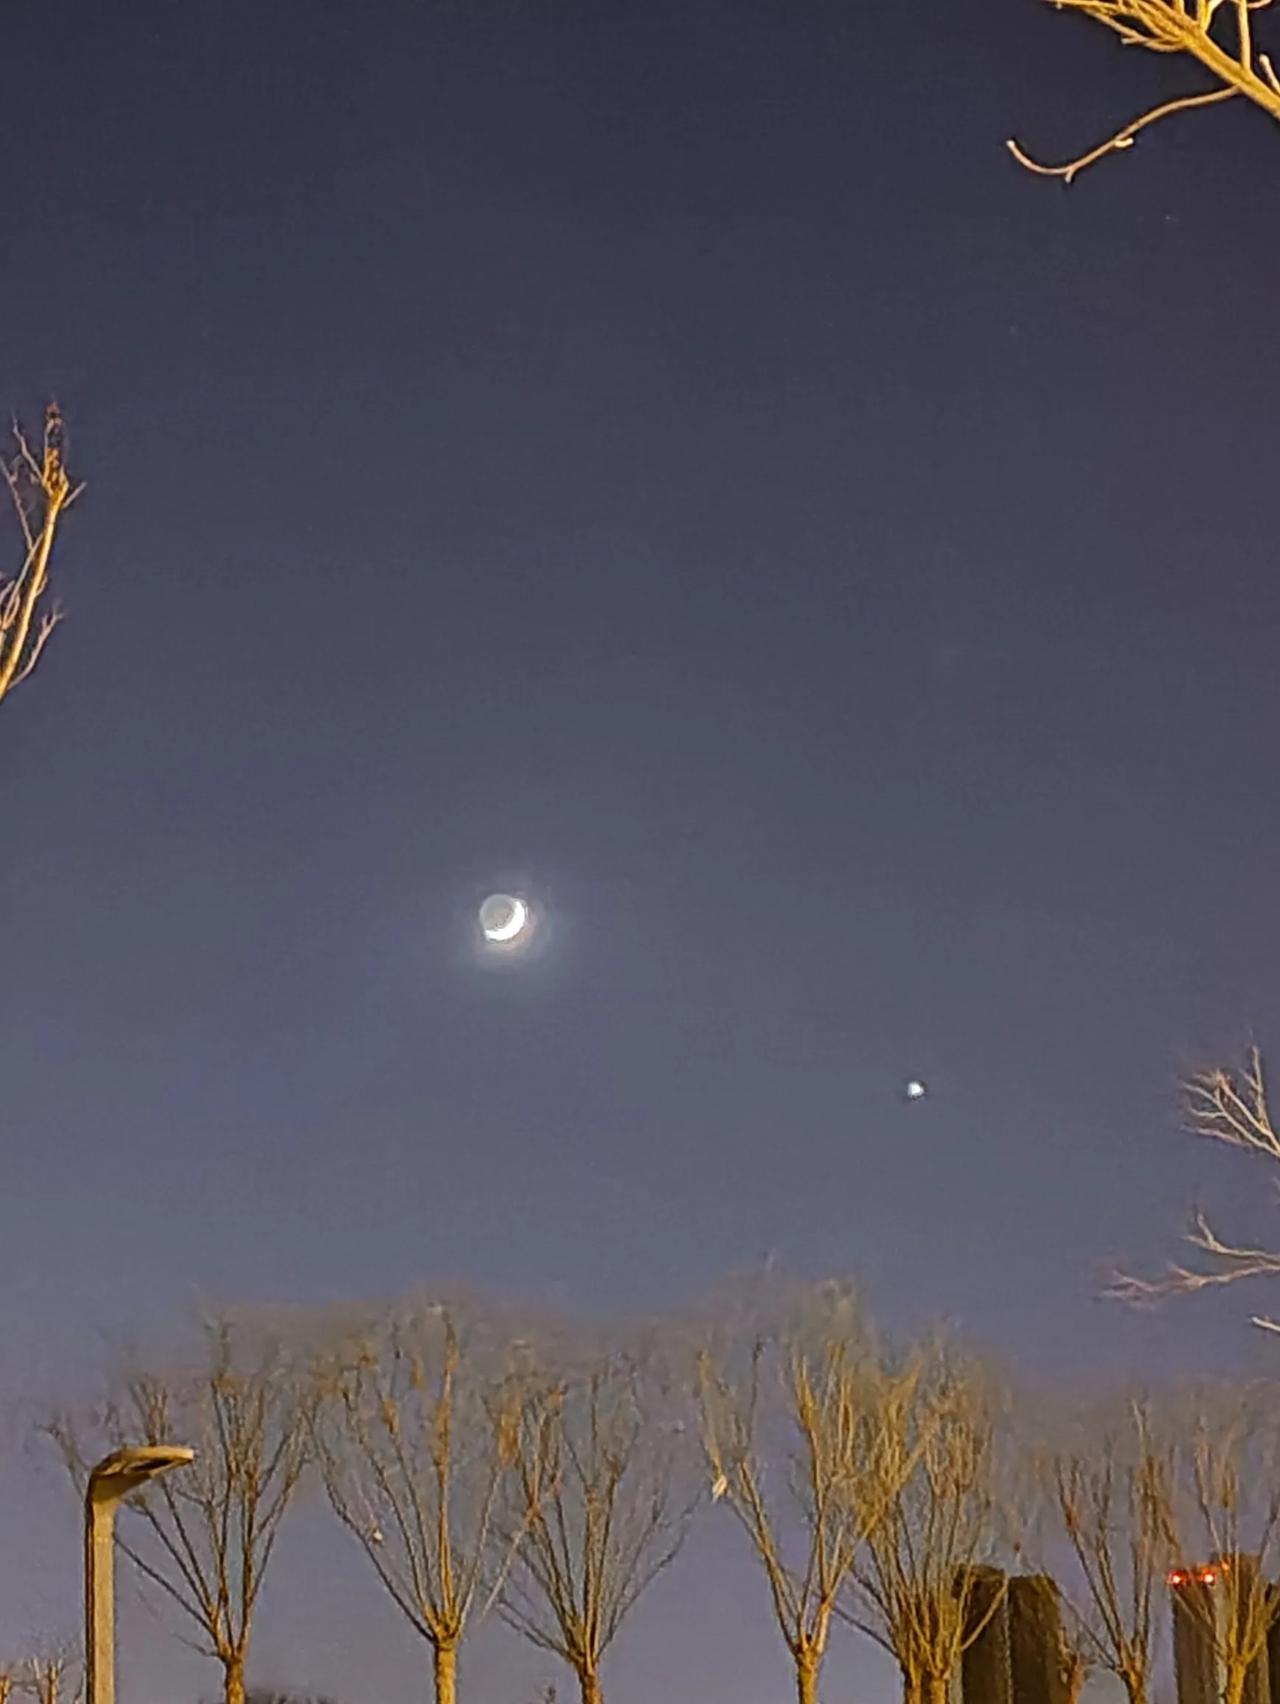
549	1477
475	1471
48	1674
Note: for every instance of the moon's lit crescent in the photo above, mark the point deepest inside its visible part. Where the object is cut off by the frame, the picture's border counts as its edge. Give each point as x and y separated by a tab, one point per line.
511	928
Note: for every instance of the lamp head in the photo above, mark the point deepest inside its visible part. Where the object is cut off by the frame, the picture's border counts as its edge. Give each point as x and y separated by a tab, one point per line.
125	1470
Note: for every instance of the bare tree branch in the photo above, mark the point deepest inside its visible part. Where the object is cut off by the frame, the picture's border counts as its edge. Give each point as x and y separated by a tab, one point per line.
1123	138
1216	34
1231	1108
40	492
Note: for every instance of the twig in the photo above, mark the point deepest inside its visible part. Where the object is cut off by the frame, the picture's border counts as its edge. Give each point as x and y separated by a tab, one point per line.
1122	138
1170	26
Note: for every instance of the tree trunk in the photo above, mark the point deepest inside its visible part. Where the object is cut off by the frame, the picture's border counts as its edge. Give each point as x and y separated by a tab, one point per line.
807	1669
1135	1689
925	1688
446	1666
589	1684
1233	1685
233	1683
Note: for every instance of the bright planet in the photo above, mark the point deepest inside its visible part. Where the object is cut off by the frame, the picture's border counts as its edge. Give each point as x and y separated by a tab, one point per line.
504	919
916	1090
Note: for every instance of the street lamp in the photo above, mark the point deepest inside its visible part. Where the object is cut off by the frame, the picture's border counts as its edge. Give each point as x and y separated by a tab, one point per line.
120	1473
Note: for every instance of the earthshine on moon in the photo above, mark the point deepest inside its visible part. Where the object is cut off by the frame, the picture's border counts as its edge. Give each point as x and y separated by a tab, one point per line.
504	917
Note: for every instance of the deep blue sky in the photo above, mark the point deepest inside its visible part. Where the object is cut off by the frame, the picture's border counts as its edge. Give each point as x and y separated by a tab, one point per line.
669	457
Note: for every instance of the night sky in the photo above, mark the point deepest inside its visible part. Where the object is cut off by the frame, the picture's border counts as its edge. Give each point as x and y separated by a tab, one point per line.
668	459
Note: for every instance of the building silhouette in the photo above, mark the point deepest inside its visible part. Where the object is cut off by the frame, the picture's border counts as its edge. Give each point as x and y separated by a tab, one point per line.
1273	1662
1016	1657
1036	1648
1203	1598
986	1671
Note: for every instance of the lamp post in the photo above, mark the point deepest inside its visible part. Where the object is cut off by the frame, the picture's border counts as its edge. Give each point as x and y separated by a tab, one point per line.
111	1480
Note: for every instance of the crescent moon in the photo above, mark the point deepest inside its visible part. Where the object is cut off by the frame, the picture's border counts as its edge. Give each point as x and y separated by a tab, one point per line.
514	924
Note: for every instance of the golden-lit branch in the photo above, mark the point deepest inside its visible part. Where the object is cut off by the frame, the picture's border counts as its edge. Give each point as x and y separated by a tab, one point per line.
1234	1109
1216	34
1237	1261
414	1437
41	492
1123	138
1231	1108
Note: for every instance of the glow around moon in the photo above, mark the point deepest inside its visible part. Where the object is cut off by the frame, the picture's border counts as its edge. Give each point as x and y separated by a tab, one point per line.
504	919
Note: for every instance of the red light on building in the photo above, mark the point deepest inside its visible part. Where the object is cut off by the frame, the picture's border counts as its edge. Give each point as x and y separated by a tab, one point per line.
1201	1576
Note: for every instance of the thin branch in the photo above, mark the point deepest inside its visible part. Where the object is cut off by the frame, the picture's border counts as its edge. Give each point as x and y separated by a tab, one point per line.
1231	1108
1122	139
1169	26
40	492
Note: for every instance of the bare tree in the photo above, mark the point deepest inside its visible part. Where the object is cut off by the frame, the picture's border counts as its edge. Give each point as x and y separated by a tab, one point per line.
1232	1108
267	1695
924	1587
1218	35
1225	1528
414	1436
817	1402
1110	1493
46	1675
594	1512
41	492
204	1538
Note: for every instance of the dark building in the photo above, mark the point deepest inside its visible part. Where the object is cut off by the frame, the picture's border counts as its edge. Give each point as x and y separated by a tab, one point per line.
1035	1641
1203	1598
986	1673
1016	1657
1273	1662
1195	1661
